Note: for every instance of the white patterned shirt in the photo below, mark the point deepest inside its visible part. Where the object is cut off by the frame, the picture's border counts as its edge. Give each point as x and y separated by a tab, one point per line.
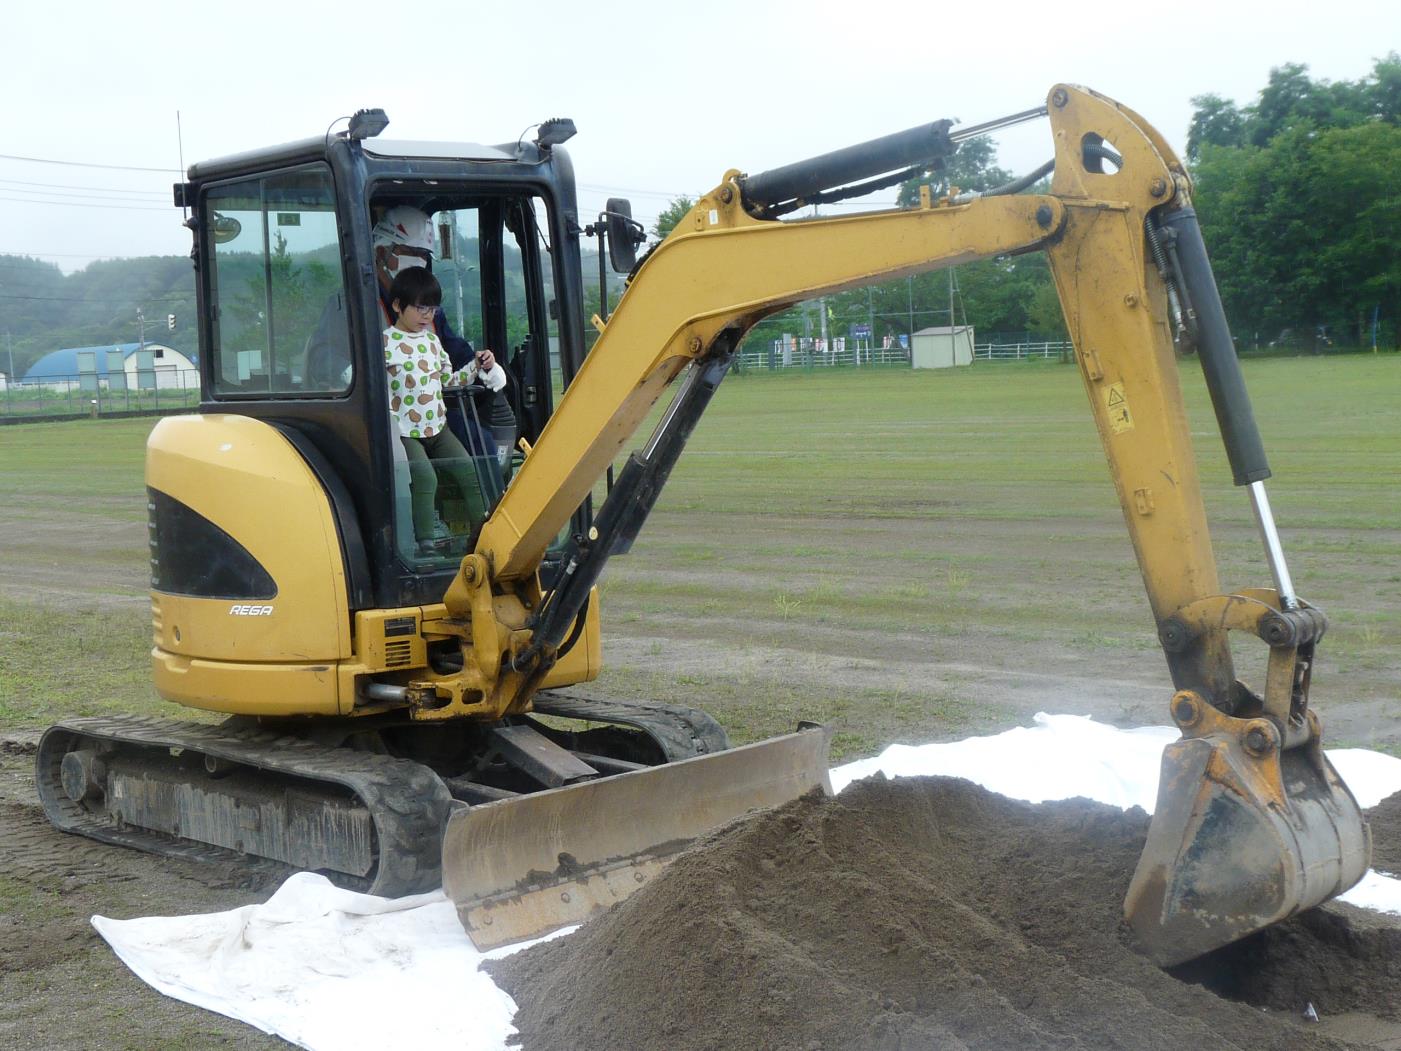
418	369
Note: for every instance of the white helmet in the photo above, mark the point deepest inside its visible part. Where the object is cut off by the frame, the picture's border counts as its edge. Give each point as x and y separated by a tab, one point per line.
406	225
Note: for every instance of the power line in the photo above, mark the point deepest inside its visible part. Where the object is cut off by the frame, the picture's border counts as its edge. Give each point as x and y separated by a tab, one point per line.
106	299
66	255
75	196
88	164
7	265
79	186
596	188
75	204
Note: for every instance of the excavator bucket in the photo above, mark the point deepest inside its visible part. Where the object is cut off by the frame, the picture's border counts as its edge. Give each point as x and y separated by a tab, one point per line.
521	868
1241	838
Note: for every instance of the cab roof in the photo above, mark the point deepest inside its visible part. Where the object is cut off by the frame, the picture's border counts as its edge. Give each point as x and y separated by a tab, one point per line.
316	149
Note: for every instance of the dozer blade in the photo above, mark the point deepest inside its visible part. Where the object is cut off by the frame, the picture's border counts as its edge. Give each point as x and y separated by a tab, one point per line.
1242	837
523	867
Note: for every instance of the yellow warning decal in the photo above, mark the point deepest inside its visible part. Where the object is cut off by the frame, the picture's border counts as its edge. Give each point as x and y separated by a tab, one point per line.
1120	419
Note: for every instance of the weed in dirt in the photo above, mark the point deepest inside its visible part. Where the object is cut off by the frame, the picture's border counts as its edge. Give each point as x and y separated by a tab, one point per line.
827	593
1016	534
786	605
81	466
694	555
73	662
23	903
854	743
1094	641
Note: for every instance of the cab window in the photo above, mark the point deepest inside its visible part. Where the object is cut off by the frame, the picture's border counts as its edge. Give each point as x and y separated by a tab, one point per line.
280	324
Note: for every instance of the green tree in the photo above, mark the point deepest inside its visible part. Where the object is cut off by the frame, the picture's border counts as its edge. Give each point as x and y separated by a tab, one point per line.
1289	98
672	214
972	167
1300	212
1292	99
1215	121
1355	191
1385	88
42	309
1044	314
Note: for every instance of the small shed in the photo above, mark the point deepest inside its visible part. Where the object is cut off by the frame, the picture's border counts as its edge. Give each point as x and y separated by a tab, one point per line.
120	366
942	347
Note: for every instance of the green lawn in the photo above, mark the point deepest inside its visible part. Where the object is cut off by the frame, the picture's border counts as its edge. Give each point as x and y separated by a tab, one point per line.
899	554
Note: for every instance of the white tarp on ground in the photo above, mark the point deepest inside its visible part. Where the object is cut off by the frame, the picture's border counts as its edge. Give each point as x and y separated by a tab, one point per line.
303	964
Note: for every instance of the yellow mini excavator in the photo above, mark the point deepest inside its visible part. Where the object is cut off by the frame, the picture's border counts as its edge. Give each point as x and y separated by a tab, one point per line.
394	702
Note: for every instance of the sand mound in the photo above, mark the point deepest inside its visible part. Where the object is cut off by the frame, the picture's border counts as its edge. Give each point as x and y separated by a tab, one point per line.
924	913
1385	819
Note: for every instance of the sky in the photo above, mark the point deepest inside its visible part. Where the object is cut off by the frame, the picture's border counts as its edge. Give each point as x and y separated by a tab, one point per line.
666	97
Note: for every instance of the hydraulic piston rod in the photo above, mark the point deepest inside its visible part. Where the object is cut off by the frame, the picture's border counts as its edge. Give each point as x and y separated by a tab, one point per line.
1224	381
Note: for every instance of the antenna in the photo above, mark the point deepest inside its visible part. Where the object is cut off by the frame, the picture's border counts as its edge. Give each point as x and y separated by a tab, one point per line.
180	146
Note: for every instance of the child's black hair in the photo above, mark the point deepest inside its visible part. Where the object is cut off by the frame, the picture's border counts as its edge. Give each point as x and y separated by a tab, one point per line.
415	287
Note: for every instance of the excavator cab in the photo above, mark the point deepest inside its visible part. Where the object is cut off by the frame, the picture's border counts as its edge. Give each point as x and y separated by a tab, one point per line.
294	304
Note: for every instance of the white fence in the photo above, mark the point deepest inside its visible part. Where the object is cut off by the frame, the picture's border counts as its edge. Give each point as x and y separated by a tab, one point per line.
808	353
812	353
87	393
1061	350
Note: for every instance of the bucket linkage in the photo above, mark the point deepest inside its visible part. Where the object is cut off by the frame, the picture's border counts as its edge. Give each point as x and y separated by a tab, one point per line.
1252	822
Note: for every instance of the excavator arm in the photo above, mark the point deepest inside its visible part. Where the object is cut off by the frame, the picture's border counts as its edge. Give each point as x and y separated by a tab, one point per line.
1252	822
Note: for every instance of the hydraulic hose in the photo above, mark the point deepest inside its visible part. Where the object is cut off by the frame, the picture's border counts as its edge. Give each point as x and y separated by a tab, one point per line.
1015	186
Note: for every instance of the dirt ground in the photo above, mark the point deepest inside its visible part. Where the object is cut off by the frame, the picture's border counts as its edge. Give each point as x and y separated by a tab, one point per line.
887	674
1007	937
60	986
930	913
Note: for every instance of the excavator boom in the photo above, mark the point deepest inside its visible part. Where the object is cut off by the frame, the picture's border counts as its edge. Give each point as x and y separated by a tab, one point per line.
1252	823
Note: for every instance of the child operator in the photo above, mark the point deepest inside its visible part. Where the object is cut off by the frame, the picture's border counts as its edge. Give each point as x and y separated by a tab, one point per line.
419	368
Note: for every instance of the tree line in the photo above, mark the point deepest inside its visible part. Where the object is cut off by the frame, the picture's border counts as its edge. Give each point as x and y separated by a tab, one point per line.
1300	202
1299	193
42	309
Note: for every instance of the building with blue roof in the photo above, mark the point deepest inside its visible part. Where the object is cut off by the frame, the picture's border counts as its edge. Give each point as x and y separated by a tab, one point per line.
115	366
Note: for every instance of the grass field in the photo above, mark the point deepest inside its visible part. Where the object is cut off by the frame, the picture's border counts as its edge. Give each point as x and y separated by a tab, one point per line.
907	556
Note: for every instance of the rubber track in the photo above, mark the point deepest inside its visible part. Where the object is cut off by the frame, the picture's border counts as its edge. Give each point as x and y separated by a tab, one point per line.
681	732
407	802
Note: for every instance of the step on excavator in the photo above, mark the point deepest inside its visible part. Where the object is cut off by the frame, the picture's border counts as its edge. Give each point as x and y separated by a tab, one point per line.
403	711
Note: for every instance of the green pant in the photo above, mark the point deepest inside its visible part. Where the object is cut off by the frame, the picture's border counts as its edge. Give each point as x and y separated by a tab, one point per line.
426	455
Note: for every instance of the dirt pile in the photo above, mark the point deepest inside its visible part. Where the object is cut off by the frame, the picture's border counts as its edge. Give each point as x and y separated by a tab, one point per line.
1385	819
923	913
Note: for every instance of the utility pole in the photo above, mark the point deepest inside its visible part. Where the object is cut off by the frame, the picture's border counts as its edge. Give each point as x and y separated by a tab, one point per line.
910	293
822	311
10	346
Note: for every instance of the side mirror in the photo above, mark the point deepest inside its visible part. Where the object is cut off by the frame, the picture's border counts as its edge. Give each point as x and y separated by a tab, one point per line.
624	235
224	228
